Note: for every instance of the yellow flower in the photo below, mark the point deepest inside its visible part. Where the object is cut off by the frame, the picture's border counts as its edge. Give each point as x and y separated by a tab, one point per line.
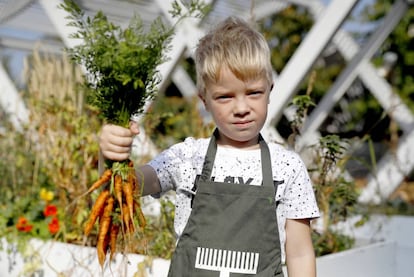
46	195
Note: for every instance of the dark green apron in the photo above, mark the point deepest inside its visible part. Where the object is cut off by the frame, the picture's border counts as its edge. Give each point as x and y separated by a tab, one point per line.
232	229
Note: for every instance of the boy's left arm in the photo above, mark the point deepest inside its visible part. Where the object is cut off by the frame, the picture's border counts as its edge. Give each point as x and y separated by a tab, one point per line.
300	255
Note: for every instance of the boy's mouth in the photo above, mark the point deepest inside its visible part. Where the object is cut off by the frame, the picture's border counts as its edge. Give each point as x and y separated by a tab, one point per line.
243	123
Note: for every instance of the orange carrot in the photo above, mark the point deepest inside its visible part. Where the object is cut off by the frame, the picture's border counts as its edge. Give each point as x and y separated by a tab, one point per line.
126	218
129	198
135	186
138	189
97	211
141	218
105	245
104	227
112	240
106	176
118	189
131	225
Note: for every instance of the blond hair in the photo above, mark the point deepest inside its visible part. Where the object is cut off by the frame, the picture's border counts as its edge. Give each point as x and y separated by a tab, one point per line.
237	45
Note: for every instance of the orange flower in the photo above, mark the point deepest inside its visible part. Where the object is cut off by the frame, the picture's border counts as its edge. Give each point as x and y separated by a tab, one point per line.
50	210
23	225
54	225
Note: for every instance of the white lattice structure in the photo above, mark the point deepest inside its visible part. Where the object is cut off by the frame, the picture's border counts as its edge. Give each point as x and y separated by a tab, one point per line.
42	17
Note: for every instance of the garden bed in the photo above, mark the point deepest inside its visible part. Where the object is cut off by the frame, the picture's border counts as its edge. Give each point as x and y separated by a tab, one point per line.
385	247
49	259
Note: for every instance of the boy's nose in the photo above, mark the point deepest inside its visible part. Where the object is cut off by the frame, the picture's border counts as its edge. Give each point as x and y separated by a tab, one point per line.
241	106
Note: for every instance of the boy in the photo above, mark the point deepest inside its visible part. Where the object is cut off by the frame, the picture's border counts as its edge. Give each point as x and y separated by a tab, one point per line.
242	205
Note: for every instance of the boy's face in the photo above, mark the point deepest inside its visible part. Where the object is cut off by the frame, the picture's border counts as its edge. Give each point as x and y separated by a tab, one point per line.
239	108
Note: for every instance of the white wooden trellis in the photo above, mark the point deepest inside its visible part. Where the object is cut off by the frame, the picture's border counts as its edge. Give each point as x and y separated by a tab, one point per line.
326	30
394	166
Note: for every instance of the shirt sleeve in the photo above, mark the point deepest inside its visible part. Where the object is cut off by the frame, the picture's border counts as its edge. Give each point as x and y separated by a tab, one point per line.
298	200
295	193
175	166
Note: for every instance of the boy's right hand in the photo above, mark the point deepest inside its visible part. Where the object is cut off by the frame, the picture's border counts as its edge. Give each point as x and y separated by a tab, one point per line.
115	141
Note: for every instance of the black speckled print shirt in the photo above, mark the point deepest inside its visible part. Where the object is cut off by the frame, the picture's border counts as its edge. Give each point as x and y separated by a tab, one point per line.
178	166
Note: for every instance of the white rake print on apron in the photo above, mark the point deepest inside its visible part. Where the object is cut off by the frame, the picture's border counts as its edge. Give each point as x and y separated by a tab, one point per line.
226	261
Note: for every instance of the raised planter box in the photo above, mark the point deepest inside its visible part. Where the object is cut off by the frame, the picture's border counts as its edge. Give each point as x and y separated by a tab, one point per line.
376	259
52	259
386	249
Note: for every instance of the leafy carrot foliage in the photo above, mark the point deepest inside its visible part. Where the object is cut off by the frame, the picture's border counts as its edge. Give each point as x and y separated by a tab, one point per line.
121	63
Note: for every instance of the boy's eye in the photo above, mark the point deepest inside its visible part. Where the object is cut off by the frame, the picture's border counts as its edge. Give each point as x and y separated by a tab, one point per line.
223	97
255	92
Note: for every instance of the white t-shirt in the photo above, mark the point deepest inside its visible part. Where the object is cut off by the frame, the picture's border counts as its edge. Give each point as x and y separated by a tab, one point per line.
178	166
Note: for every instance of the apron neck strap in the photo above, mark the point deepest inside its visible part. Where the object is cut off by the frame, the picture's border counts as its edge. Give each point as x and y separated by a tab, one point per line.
211	154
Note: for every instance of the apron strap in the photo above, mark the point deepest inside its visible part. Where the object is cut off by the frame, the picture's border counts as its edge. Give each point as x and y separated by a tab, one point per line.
266	163
265	160
209	158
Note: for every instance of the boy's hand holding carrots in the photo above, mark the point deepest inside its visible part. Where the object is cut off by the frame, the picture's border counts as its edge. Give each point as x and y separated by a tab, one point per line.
116	141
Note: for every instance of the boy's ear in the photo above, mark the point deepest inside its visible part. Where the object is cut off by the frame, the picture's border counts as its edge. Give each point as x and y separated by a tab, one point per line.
268	98
201	96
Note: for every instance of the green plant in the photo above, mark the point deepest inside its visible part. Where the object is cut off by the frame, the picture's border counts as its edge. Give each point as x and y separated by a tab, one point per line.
56	151
33	217
121	63
171	119
160	232
336	195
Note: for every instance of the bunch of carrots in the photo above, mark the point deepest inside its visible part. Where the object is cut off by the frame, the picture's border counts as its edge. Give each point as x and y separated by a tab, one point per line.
119	83
117	207
121	64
